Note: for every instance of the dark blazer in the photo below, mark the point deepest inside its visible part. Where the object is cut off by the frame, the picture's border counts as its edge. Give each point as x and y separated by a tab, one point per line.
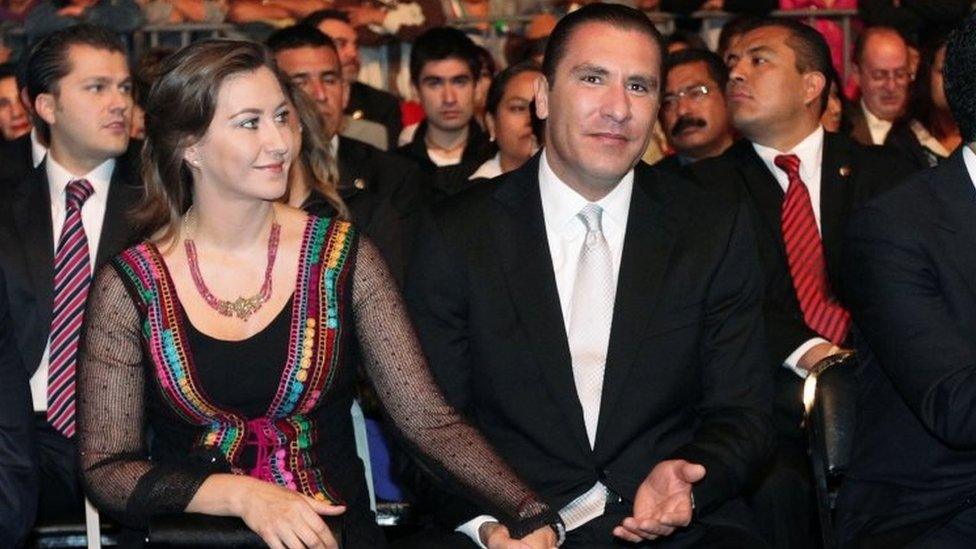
441	182
376	105
685	374
912	253
18	460
858	125
27	246
384	195
15	158
850	174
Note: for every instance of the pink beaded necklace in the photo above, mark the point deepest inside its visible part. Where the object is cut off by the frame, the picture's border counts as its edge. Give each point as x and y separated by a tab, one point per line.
242	307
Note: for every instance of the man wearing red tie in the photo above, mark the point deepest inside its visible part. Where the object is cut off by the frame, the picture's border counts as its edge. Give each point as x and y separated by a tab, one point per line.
803	183
59	224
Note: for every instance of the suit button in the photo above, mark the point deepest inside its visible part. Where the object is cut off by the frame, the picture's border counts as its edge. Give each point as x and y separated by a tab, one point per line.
357	114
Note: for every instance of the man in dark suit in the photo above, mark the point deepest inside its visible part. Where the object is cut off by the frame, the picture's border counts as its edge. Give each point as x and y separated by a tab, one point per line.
365	102
882	71
803	182
912	254
18	459
382	190
598	319
63	221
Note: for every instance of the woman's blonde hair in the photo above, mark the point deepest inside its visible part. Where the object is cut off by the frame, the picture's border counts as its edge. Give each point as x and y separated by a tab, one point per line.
319	167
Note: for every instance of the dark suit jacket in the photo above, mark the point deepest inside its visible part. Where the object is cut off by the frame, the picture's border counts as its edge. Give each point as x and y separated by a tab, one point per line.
15	158
378	106
685	373
854	120
384	194
850	174
27	246
18	465
442	182
912	253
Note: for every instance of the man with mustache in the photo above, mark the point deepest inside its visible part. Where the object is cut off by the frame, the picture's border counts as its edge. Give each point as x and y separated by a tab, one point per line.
60	223
803	182
882	71
562	306
693	110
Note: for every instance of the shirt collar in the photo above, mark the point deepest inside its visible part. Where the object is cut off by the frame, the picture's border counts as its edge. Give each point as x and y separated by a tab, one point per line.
58	177
873	121
334	146
810	150
561	203
38	150
969	159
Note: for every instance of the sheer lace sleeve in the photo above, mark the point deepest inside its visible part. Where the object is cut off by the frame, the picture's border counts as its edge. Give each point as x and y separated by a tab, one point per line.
117	473
450	448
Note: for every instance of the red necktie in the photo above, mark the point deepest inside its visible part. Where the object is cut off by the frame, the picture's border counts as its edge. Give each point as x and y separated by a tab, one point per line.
72	276
804	253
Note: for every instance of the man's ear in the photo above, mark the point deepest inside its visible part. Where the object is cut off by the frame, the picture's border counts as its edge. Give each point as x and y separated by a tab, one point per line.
813	87
46	106
542	97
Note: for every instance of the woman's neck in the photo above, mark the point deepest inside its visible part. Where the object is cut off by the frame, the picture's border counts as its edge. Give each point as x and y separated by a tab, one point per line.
229	224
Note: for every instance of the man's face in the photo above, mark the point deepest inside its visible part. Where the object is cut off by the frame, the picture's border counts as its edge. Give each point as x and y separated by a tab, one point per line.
346	41
601	105
766	93
90	112
316	71
884	75
14	121
446	91
693	111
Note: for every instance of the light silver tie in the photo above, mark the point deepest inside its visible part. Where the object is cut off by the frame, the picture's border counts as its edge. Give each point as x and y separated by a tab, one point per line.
591	312
590	315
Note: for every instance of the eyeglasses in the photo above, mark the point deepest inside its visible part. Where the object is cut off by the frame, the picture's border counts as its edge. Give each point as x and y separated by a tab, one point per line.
695	93
899	76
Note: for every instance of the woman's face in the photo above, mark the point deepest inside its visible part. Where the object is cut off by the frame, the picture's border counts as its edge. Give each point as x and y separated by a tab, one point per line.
512	123
831	115
250	142
937	87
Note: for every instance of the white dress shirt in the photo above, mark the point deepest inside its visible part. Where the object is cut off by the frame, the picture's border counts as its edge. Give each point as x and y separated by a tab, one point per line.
810	152
969	159
877	127
566	235
38	150
92	215
489	169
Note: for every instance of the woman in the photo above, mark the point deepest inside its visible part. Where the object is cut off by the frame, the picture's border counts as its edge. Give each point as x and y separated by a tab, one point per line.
929	134
248	399
509	119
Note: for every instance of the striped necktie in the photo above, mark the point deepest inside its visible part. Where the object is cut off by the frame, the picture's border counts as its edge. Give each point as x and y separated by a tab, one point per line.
805	255
72	276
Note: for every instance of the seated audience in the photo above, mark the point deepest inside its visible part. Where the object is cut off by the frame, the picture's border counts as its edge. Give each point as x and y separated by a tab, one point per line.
14	122
683	40
365	101
25	153
118	16
694	115
59	223
928	134
882	72
144	74
803	182
621	425
449	145
18	454
831	29
272	11
509	119
921	21
172	12
910	253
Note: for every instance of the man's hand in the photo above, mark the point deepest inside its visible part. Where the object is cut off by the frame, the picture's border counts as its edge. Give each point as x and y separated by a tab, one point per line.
662	502
495	536
817	353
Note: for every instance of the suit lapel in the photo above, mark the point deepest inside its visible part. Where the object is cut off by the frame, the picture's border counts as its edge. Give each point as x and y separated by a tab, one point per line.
835	194
351	167
761	186
518	229
955	189
116	226
648	243
32	216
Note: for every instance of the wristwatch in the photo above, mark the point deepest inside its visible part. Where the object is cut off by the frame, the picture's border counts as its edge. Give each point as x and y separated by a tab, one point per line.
560	530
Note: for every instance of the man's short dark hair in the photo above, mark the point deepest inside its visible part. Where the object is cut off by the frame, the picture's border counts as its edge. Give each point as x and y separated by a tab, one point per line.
48	61
8	70
960	78
862	40
809	47
717	70
299	36
315	18
440	43
615	15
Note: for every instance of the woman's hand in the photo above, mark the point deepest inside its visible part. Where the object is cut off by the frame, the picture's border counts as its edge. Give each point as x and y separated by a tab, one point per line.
283	518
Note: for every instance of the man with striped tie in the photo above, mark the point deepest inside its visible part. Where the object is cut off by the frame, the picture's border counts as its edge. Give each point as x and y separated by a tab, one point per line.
803	183
60	223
